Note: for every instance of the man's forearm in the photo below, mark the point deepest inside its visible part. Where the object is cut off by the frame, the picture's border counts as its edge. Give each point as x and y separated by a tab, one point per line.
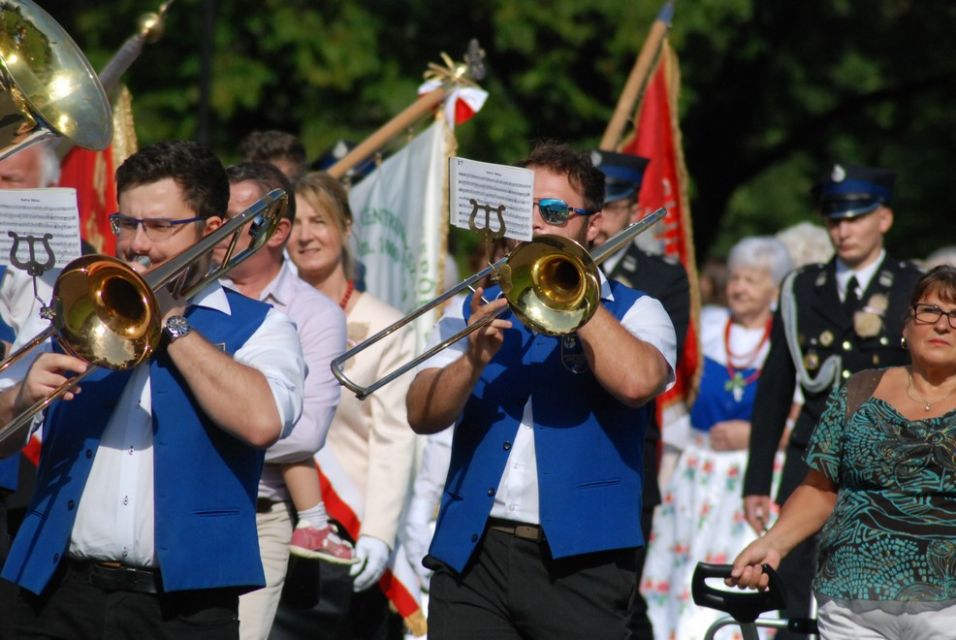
234	396
630	369
437	397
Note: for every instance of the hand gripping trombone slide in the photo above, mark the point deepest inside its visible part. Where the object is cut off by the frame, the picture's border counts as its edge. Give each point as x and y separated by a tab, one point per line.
551	284
106	313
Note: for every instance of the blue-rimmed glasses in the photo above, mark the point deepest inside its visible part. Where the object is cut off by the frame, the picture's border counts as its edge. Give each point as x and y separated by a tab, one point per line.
557	211
930	314
156	229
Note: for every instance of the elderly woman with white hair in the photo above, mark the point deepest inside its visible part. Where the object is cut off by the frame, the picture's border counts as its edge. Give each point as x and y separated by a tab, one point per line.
701	518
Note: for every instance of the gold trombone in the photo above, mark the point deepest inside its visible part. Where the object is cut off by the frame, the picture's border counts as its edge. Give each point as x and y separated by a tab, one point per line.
551	284
47	87
106	313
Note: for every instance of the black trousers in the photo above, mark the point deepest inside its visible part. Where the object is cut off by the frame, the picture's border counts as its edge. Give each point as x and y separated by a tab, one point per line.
71	608
513	588
340	613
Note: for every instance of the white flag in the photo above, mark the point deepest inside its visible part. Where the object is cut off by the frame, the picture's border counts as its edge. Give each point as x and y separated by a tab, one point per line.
401	223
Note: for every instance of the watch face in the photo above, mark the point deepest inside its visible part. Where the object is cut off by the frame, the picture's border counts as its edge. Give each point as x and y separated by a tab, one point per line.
176	327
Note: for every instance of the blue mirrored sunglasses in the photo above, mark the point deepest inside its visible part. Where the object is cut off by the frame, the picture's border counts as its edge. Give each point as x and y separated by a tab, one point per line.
556	211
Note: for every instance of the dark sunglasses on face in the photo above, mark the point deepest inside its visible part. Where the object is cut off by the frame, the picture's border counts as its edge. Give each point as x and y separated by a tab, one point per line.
930	314
556	211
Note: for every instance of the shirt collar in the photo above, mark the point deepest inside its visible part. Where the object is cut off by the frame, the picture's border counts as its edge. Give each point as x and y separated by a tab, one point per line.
605	287
279	290
212	296
863	276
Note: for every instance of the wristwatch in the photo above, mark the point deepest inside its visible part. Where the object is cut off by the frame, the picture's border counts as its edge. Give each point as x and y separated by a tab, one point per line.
175	328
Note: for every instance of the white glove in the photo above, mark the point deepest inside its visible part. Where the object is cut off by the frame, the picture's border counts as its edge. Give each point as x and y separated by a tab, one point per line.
372	556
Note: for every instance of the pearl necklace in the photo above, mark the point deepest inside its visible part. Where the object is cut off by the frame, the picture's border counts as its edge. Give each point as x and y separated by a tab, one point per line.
927	405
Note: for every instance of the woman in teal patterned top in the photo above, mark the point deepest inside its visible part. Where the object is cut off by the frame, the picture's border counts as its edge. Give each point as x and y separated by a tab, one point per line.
882	485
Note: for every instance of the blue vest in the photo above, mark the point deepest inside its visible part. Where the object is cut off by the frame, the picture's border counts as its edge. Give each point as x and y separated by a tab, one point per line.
588	447
205	480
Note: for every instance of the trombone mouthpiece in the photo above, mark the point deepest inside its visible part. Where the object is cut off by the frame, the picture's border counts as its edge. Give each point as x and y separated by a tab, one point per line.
142	261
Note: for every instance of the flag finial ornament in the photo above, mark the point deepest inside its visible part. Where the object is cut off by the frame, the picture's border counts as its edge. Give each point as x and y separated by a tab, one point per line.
459	73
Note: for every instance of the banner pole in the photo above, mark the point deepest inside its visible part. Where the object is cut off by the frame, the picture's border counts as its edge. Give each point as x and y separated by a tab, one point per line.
637	79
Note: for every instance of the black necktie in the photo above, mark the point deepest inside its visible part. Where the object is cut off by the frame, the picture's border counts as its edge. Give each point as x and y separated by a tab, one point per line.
850	300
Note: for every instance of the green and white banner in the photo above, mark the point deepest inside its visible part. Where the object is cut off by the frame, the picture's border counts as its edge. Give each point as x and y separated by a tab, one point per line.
401	223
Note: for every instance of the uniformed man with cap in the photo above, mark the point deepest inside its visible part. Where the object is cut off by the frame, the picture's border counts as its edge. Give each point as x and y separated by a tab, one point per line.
662	278
833	320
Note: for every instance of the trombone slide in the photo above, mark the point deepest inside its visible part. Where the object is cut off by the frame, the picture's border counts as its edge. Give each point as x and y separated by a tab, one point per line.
582	262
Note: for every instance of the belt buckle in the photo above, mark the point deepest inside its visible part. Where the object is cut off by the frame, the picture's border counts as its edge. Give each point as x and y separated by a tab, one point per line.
528	532
113	576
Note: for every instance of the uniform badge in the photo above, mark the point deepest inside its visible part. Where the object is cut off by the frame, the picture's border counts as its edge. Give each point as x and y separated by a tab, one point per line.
868	323
878	303
826	338
629	263
838	174
811	361
572	355
886	279
821	279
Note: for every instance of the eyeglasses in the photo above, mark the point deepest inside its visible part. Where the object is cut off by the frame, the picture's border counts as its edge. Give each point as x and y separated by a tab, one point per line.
156	229
930	314
555	211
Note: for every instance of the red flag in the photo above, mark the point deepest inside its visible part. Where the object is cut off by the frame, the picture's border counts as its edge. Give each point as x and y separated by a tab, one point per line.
93	175
658	138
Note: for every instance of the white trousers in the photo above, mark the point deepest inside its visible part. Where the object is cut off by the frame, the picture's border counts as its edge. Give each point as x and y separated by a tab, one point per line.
838	621
257	609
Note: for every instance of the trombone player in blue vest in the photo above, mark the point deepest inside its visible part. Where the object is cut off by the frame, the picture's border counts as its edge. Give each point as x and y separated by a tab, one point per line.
143	522
540	519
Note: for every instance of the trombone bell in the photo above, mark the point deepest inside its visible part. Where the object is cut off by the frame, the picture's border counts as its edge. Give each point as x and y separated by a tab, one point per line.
47	87
105	313
555	287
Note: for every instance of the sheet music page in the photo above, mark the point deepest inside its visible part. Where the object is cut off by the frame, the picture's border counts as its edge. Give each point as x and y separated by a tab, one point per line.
480	191
37	213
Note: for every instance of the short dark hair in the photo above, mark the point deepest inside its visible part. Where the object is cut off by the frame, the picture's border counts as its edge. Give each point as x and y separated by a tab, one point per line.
940	280
267	177
584	177
272	145
194	167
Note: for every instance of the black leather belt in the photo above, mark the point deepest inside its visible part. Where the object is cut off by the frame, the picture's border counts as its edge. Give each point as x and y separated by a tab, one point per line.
521	530
113	576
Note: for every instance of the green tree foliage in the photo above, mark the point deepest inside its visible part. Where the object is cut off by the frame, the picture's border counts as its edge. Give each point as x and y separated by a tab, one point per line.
772	91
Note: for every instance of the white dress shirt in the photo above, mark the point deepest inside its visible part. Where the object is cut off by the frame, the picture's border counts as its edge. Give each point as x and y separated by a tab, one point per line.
517	494
115	515
863	276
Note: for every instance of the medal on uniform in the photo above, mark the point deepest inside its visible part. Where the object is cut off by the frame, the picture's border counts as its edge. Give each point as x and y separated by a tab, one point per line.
811	361
826	338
